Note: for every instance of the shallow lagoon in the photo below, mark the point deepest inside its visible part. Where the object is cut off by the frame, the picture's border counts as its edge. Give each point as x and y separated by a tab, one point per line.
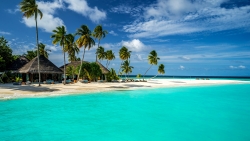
209	113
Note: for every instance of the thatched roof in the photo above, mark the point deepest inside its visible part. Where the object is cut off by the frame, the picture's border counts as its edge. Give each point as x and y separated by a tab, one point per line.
18	63
104	69
78	63
45	66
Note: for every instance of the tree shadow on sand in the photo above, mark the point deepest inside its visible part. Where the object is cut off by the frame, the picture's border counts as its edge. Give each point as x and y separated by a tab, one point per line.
28	88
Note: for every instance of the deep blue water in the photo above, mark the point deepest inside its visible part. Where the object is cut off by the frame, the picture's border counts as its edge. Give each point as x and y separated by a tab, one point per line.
205	113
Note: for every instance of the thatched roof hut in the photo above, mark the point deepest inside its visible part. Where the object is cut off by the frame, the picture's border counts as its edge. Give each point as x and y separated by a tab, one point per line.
78	63
18	63
104	69
46	66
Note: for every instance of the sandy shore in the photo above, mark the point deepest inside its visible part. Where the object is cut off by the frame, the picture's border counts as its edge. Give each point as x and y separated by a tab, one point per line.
10	91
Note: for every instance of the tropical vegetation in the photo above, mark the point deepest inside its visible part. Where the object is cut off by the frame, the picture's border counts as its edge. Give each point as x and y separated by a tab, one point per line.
99	33
126	68
60	37
30	9
152	60
85	40
6	56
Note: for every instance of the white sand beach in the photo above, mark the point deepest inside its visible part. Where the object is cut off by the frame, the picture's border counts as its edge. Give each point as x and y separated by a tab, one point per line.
10	91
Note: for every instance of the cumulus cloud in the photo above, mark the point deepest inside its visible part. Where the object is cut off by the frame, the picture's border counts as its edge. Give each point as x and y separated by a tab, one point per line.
48	21
173	17
182	67
5	33
82	7
134	45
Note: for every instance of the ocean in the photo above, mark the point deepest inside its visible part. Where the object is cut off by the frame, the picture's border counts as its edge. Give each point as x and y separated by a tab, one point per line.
200	113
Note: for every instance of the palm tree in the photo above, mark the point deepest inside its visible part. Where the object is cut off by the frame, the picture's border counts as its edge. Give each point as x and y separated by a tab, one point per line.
30	9
43	51
109	56
126	68
124	54
71	48
99	33
101	54
30	54
60	37
85	40
152	59
160	70
71	70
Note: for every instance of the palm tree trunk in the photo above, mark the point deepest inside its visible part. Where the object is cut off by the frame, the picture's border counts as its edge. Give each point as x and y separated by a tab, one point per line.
96	50
64	66
154	76
120	68
38	56
81	65
107	64
147	71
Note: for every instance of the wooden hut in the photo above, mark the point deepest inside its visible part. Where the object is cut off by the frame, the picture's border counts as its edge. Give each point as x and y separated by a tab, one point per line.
47	69
18	63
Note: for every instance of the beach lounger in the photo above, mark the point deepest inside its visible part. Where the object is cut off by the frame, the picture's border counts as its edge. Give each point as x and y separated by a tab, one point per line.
84	81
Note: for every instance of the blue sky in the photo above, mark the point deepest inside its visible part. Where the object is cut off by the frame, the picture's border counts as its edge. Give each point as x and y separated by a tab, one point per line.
192	37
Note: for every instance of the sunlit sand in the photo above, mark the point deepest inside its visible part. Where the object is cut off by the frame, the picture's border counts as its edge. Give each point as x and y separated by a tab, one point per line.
10	91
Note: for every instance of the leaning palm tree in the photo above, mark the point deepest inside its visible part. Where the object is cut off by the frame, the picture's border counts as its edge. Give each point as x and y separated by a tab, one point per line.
99	33
60	37
30	9
71	70
85	40
71	47
160	70
126	68
101	54
152	59
43	51
124	54
109	56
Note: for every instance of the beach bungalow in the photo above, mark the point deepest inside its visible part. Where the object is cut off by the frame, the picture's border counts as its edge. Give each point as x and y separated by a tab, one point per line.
17	64
105	71
48	70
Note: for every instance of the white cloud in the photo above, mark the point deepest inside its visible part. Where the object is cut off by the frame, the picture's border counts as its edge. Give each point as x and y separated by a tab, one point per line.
14	11
81	7
174	17
232	67
139	57
239	67
135	45
5	33
242	67
184	58
52	47
48	21
182	67
113	33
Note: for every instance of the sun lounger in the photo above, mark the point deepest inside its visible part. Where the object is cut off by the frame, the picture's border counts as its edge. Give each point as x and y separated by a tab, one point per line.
114	81
49	81
84	81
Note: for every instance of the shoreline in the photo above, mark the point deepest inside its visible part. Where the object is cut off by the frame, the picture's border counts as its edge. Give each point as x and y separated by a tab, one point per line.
10	91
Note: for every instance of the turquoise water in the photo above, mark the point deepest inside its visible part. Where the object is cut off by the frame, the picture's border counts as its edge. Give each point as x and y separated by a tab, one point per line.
207	113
